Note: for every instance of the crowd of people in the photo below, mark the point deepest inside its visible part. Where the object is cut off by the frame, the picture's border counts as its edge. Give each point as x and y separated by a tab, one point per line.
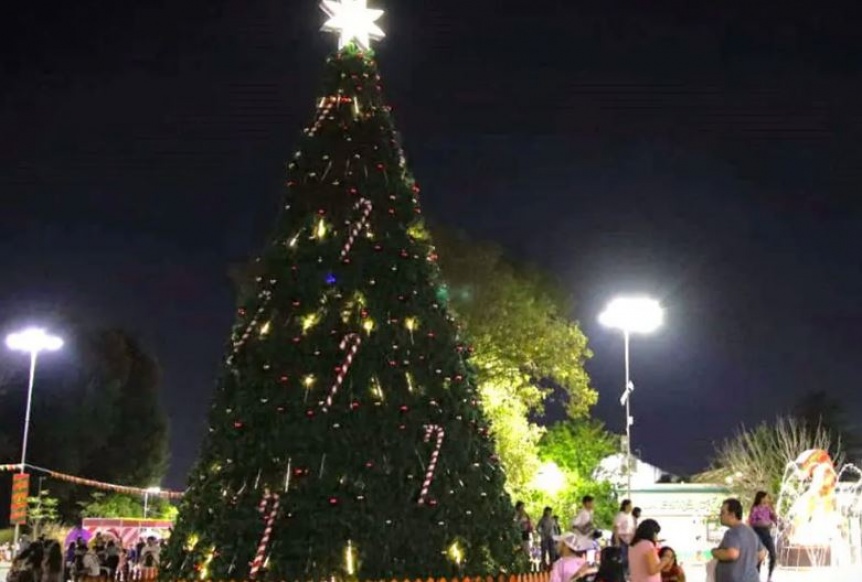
634	551
104	558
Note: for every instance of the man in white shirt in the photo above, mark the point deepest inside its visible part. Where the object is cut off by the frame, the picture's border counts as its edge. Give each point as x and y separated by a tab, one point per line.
624	529
582	524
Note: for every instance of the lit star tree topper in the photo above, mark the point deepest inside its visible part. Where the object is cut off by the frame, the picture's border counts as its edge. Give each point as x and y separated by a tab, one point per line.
353	21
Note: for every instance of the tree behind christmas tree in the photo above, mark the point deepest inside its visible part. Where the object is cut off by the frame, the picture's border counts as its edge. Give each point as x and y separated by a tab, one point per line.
345	436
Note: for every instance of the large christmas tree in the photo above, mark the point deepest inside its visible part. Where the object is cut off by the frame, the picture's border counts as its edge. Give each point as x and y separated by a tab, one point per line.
345	436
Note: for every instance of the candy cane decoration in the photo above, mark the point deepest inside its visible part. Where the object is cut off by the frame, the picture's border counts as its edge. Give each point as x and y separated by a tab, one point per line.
432	464
239	342
324	107
350	343
358	225
267	530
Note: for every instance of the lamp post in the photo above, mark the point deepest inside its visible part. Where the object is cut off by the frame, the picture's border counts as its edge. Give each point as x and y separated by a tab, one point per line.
147	492
31	341
631	315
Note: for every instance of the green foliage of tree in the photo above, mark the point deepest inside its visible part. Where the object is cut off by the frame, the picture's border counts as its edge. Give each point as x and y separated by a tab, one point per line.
524	341
121	505
96	414
42	510
577	447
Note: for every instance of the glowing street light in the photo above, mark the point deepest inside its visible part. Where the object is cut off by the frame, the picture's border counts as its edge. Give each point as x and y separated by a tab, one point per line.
631	315
549	478
31	341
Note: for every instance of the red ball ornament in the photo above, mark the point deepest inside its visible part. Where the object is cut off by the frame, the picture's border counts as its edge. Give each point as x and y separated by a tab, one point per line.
354	405
432	502
309	413
404	408
369	464
333	501
237	424
283	379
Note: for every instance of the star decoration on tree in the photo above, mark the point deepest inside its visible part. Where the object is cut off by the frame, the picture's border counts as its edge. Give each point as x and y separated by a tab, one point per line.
353	21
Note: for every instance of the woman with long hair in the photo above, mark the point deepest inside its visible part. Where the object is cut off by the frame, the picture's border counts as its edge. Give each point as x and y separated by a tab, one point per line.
525	525
673	572
762	519
644	563
52	567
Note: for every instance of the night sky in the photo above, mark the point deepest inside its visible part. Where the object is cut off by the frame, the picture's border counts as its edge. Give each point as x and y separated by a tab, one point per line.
709	156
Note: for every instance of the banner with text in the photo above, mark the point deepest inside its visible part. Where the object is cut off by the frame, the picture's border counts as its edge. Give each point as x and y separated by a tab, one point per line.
20	492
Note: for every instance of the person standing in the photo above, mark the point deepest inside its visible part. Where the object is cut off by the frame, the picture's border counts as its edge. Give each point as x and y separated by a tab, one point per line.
762	519
624	529
740	550
547	530
525	526
582	524
644	563
52	566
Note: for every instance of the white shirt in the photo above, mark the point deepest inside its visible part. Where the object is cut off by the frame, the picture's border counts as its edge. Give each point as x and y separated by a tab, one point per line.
91	564
584	517
624	525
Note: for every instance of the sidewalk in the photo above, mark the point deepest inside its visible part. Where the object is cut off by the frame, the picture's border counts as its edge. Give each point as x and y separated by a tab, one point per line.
697	573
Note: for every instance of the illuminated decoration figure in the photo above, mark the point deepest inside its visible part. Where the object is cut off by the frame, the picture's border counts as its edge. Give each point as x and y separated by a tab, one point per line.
346	425
820	514
814	514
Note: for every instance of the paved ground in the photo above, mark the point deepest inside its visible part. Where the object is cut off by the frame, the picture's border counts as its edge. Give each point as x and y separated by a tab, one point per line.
697	573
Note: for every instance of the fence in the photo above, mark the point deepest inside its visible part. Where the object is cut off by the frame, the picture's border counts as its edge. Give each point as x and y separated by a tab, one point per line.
531	577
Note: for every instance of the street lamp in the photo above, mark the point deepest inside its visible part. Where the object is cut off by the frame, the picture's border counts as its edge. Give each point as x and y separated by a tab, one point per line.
631	315
147	492
32	341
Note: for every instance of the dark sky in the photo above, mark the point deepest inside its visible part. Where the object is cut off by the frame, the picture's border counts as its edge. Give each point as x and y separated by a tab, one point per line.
707	155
